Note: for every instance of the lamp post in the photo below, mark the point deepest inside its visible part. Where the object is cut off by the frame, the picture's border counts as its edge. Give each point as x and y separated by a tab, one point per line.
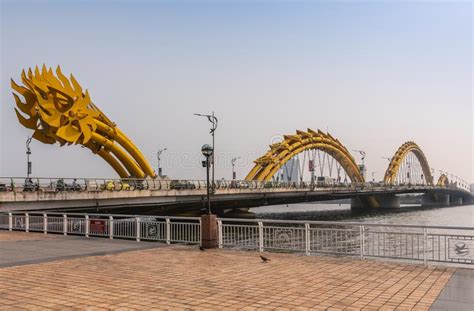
207	151
28	162
363	154
158	157
214	122
234	175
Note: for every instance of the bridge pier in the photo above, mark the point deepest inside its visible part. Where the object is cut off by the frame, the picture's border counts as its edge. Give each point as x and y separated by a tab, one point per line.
456	200
380	201
388	201
438	199
361	203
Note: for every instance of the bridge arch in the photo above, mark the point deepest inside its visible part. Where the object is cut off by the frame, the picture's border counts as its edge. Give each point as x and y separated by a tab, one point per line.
397	159
268	165
57	109
443	181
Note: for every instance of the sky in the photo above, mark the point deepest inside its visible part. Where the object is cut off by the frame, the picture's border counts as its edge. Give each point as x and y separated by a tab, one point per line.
373	73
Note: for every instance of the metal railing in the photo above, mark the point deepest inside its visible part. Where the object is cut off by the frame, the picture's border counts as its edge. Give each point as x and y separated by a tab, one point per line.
405	242
39	184
152	228
402	242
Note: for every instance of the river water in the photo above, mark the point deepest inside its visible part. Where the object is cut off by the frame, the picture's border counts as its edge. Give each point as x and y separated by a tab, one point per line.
415	215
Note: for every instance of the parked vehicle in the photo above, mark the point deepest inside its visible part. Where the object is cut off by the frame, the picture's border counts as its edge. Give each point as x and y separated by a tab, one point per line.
181	185
137	184
111	186
323	181
61	185
29	185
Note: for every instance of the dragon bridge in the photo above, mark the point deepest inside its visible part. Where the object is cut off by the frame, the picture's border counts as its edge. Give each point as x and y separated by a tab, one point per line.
398	164
268	165
59	110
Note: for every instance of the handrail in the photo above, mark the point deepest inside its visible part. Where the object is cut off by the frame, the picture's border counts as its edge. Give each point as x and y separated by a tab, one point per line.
353	239
339	223
273	221
98	214
34	184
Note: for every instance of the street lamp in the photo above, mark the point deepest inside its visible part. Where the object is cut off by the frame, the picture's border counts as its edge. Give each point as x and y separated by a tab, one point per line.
363	154
207	151
28	153
158	157
234	175
214	122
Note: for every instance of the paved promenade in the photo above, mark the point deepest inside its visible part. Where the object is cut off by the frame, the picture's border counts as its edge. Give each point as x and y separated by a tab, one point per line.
183	277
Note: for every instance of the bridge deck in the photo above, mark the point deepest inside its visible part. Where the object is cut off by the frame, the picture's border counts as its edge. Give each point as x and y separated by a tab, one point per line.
177	277
191	200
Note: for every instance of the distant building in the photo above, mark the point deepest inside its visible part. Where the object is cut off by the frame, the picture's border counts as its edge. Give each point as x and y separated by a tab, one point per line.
290	171
472	188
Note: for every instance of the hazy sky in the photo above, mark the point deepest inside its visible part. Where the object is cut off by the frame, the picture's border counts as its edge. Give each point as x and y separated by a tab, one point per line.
376	74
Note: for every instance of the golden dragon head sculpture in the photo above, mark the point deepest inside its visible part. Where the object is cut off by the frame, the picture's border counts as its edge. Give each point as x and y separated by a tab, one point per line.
59	110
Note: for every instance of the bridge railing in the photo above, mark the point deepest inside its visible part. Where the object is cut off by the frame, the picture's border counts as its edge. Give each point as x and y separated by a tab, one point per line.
442	244
38	184
401	242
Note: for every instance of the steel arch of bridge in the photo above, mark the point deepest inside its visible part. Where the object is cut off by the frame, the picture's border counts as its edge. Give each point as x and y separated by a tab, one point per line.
398	158
268	165
59	110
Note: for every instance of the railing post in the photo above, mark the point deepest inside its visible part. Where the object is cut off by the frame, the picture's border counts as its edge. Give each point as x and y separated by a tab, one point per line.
65	224
111	227
219	232
362	241
137	222
27	222
168	231
10	221
45	223
200	232
307	239
425	246
260	236
87	226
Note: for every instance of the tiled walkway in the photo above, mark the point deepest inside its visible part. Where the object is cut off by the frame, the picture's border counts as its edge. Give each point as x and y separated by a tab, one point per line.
19	248
178	277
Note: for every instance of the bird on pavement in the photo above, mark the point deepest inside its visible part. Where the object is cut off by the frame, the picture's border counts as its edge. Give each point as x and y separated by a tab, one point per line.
202	248
264	259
